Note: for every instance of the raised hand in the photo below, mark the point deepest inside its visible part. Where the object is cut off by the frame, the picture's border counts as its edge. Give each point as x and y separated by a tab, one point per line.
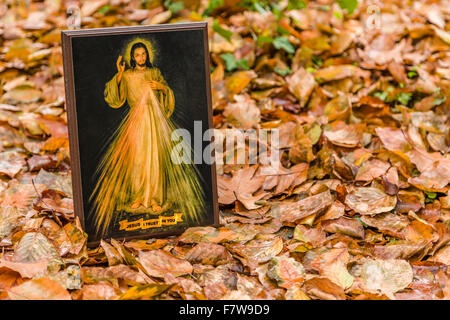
120	65
120	68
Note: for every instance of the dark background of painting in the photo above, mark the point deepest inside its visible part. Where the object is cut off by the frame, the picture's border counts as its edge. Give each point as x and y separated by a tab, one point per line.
180	57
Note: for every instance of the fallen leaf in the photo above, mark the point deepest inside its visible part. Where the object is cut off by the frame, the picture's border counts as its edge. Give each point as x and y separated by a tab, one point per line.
145	291
240	187
301	83
393	139
401	249
257	251
323	288
243	113
208	253
370	201
315	236
11	163
343	225
159	262
296	293
389	223
332	264
26	269
337	72
344	135
54	181
99	291
371	169
111	253
9	217
285	270
386	276
215	235
238	81
35	247
291	212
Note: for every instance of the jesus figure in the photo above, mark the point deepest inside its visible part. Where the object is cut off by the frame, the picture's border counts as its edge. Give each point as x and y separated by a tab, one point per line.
136	174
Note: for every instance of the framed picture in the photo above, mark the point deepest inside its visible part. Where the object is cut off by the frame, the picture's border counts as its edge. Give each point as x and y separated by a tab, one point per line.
139	107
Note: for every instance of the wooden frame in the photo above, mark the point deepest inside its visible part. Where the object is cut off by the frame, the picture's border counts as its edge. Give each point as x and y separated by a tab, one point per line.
67	36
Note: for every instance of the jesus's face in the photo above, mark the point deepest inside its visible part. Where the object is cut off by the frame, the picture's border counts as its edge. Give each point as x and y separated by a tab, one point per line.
140	57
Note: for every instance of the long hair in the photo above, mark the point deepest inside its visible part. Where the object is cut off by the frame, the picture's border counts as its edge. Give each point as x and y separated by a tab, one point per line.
148	64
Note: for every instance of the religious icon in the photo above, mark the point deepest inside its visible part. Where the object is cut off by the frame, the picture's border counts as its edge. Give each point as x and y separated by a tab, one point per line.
139	185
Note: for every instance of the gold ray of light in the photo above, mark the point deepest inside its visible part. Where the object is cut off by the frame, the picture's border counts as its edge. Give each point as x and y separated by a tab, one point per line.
150	47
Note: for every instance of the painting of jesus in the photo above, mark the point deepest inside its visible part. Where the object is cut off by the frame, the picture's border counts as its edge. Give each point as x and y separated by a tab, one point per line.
136	173
132	181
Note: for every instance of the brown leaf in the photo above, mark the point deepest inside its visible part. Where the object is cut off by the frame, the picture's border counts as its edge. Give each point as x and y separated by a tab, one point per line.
294	211
238	81
442	255
386	276
126	255
338	72
8	279
257	251
215	235
418	231
247	286
97	274
301	83
54	181
409	201
21	94
36	162
296	293
338	108
144	291
11	163
391	181
315	236
344	135
332	264
208	253
187	288
243	113
372	169
434	177
389	223
127	274
393	139
343	225
285	270
99	291
323	288
26	269
285	178
401	249
35	247
145	244
398	72
71	239
111	253
159	262
240	187
9	217
218	281
335	211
